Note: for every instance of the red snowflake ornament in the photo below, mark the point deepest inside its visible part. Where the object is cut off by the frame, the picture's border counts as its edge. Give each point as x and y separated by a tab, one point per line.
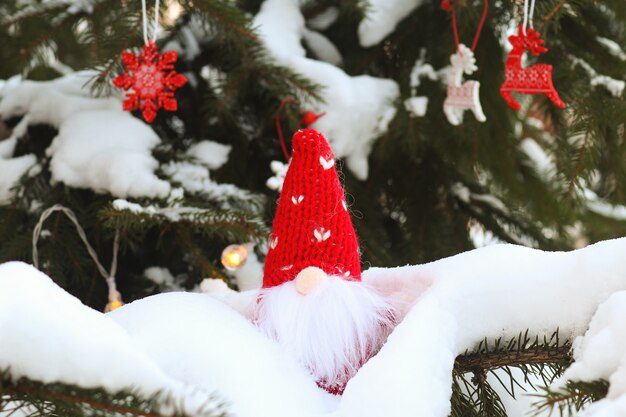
152	80
536	79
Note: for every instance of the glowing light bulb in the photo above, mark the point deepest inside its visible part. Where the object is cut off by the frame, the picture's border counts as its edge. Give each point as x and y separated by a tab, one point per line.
115	298
113	305
234	257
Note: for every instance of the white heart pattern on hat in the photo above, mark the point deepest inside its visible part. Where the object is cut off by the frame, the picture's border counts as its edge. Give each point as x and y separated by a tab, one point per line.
326	164
297	200
321	234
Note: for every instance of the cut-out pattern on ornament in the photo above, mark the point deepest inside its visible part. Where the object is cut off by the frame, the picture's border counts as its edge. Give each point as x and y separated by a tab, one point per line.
462	95
536	79
152	80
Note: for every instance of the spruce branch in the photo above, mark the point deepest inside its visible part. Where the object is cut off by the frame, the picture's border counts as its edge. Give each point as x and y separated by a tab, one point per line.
102	81
226	16
33	12
45	399
570	398
27	52
210	223
552	12
493	360
196	256
472	392
579	162
519	351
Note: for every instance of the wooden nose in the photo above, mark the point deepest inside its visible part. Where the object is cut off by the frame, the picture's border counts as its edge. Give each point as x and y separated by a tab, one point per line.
308	279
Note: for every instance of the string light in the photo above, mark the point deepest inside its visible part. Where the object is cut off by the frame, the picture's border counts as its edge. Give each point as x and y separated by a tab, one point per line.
113	305
115	298
234	257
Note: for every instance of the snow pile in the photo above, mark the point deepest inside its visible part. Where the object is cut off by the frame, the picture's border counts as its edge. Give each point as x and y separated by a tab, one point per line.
98	145
322	47
52	102
48	335
211	154
101	147
382	18
107	151
445	307
358	109
204	343
497	291
188	345
601	354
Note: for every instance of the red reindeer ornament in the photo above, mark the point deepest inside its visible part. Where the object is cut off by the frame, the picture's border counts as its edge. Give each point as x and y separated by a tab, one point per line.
536	79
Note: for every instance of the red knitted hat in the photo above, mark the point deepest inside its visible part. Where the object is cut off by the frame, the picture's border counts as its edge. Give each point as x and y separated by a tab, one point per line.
312	226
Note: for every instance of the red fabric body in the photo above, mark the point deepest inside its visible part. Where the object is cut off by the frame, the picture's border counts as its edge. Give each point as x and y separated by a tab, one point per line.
312	226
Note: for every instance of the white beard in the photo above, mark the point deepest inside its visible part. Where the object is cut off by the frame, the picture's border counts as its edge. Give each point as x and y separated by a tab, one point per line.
332	331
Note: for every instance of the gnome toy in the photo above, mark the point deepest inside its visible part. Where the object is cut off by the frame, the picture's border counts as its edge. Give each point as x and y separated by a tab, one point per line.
313	301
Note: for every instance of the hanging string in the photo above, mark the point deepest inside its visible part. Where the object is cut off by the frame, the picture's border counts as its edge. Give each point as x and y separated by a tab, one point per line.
528	17
479	29
307	118
156	20
145	21
109	277
279	128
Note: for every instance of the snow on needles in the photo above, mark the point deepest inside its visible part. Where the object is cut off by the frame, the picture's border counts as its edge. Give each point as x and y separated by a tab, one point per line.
50	336
613	86
492	292
203	342
382	18
601	354
358	109
107	151
209	153
98	145
191	346
192	341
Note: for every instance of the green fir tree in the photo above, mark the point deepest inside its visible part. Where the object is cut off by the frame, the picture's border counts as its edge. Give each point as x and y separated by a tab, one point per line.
544	177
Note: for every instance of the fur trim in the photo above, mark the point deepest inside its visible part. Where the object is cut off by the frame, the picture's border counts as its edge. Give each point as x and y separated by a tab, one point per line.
332	331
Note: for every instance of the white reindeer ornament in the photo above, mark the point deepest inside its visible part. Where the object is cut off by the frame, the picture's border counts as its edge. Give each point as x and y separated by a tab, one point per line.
462	96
